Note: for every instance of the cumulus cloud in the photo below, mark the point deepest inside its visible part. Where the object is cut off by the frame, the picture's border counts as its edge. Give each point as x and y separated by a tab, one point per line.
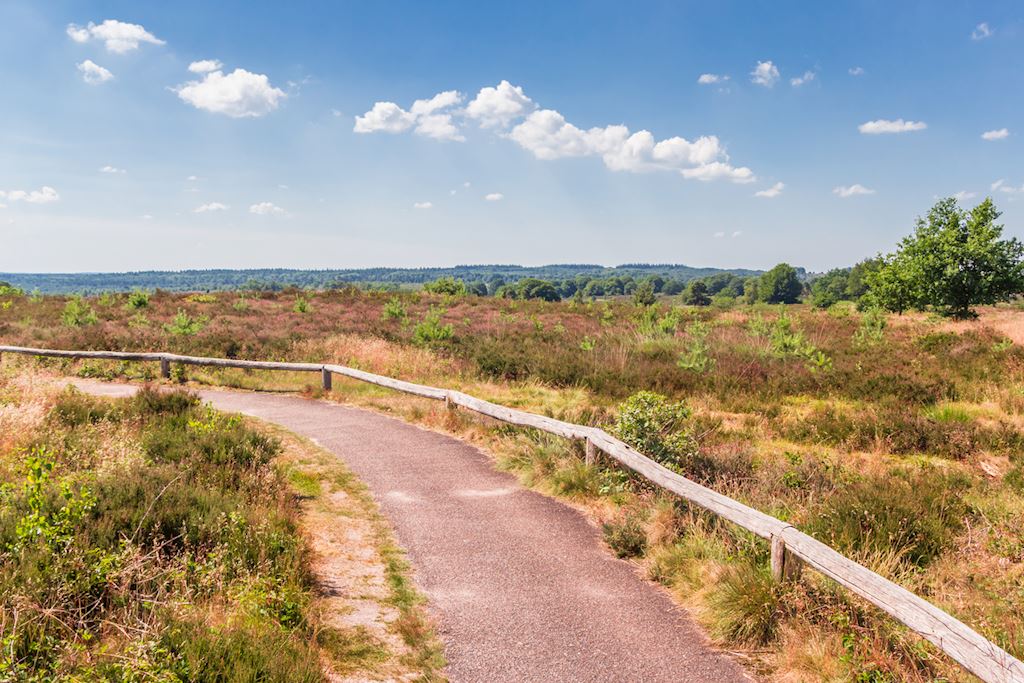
93	73
856	71
711	79
43	195
212	206
117	36
995	134
431	118
765	73
205	66
882	126
772	192
494	197
239	94
547	135
423	205
851	190
499	106
111	169
802	80
720	234
267	209
964	195
982	31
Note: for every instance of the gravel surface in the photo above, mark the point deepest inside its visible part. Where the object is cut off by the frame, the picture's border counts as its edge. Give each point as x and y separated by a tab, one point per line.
520	585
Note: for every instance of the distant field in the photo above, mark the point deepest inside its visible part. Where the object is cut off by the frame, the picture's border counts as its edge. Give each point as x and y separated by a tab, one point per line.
896	439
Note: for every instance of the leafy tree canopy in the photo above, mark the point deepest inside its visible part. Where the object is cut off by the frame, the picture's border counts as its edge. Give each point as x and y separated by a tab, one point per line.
955	260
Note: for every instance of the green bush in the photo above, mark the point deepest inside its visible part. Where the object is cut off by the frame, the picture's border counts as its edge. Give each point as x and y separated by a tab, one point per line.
138	298
77	313
626	536
748	604
430	329
657	427
185	325
394	309
695	358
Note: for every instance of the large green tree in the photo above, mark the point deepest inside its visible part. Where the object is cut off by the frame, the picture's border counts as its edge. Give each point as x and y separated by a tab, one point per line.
955	260
780	285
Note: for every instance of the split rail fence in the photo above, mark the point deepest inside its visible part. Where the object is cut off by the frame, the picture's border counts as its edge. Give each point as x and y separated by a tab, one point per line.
790	548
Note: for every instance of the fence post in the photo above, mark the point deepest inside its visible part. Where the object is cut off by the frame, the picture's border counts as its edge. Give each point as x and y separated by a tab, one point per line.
165	368
326	377
591	452
449	403
785	565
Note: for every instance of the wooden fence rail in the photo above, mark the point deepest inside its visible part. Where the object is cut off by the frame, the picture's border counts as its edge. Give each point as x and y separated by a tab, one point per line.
790	547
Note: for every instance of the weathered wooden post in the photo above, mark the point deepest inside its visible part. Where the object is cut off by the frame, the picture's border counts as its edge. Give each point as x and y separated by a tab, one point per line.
449	403
165	368
326	377
591	452
785	565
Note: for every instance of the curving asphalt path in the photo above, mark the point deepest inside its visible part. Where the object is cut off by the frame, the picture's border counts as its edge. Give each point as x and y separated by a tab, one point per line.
520	584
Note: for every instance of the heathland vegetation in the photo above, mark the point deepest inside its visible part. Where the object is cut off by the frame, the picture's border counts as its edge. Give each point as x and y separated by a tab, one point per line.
897	439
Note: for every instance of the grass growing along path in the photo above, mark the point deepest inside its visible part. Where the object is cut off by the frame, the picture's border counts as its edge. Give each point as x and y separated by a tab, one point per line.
151	538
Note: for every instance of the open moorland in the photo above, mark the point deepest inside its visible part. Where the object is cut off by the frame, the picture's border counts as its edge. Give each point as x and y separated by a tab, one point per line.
894	438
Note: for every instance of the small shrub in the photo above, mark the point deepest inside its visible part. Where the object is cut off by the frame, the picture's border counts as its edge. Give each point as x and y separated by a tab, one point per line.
138	298
394	309
77	313
657	428
695	357
871	330
430	329
626	536
202	298
185	325
241	305
301	305
446	285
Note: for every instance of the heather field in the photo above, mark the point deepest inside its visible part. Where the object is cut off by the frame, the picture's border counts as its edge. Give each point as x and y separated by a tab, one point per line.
896	439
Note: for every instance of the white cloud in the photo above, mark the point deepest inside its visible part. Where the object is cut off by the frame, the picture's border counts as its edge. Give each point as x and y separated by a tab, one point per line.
494	197
802	80
500	105
982	31
111	169
547	135
239	94
466	184
117	36
1001	186
205	66
431	118
146	217
964	195
212	206
93	73
267	209
423	205
765	73
772	192
856	71
995	134
881	126
851	190
736	233
711	79
719	234
43	195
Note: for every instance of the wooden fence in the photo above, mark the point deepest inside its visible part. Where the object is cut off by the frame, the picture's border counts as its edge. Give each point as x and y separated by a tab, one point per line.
790	548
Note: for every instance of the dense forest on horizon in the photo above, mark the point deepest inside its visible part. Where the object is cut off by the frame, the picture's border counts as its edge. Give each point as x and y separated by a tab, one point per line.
278	278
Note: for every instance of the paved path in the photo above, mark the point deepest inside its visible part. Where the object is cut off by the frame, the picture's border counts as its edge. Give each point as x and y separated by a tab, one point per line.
520	584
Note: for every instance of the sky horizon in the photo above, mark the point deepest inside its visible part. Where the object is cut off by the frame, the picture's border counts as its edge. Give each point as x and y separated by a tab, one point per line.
145	136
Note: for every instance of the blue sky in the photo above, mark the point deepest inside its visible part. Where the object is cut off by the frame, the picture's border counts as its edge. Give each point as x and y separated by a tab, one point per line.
560	132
